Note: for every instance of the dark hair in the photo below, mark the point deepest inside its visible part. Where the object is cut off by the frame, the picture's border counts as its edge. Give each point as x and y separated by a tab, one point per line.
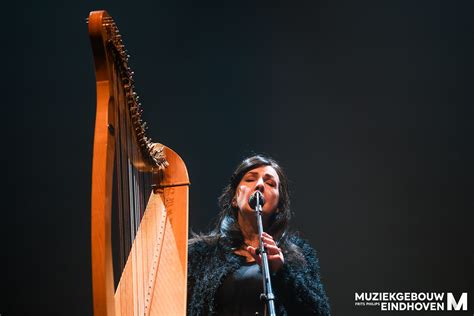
227	225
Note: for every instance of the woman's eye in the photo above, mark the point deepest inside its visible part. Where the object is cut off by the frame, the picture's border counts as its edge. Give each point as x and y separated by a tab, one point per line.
249	179
271	183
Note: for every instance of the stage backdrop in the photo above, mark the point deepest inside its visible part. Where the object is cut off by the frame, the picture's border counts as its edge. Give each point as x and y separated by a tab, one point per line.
366	104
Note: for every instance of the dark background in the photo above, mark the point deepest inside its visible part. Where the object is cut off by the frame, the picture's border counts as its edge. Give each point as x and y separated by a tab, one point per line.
367	105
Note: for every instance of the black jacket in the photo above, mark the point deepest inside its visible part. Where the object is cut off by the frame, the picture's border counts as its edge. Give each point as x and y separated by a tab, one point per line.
297	286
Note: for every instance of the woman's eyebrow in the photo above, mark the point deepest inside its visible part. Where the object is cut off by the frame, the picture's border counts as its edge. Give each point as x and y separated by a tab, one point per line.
255	173
252	173
268	176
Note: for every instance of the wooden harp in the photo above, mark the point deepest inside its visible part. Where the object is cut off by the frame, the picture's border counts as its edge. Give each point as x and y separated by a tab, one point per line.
144	185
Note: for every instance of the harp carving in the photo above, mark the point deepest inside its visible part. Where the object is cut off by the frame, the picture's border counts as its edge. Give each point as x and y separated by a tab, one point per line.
142	184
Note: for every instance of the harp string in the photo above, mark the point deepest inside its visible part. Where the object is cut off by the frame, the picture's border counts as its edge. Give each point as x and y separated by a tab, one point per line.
137	223
119	156
133	218
125	180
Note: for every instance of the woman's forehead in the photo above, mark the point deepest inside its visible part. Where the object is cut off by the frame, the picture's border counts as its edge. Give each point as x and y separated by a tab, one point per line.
268	171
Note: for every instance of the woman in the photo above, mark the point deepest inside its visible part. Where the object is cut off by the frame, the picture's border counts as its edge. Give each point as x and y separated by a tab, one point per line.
224	277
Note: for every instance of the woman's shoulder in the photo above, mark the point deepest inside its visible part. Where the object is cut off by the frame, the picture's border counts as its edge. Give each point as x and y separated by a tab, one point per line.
296	239
300	249
202	243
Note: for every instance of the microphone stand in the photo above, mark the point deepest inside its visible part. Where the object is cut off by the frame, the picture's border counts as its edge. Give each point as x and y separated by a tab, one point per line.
267	294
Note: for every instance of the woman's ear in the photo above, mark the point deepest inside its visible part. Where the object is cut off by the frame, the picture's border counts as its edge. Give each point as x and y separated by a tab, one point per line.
234	202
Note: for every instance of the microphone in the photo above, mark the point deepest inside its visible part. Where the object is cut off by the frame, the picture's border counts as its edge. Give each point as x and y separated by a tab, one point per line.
257	195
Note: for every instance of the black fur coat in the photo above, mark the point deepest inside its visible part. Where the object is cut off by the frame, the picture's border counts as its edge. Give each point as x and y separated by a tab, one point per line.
297	286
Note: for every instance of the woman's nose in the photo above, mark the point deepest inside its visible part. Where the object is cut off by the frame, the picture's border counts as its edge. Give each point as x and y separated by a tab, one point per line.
260	186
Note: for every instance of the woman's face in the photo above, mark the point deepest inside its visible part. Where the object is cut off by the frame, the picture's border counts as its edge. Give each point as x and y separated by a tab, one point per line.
264	179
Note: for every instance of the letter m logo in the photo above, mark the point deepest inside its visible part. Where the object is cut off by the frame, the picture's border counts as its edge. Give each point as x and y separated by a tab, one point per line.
452	304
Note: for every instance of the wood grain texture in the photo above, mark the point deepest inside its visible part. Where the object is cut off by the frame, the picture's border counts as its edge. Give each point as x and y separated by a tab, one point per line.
102	177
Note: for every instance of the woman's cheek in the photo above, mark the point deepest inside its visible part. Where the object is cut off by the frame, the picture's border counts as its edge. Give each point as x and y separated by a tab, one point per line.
274	202
242	193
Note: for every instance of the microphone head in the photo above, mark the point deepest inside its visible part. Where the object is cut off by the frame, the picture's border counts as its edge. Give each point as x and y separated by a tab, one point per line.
257	195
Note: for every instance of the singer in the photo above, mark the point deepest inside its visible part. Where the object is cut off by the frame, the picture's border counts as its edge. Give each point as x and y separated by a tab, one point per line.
224	274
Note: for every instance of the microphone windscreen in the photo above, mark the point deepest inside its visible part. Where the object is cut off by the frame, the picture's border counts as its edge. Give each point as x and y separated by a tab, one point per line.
257	195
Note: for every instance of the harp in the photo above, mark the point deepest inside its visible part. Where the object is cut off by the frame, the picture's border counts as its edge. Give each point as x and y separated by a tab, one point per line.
140	185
